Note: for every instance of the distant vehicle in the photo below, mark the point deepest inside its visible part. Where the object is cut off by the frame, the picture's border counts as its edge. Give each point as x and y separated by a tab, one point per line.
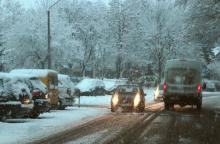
91	87
66	91
210	86
128	98
49	78
15	97
183	83
158	93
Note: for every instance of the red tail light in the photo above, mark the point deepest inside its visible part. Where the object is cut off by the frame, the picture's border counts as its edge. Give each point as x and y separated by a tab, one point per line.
199	88
35	93
164	87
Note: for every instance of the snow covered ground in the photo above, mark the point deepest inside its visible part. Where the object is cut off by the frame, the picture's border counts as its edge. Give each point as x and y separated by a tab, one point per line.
27	130
106	100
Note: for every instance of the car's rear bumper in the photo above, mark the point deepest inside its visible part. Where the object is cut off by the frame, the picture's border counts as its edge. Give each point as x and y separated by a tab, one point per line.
7	109
15	109
182	99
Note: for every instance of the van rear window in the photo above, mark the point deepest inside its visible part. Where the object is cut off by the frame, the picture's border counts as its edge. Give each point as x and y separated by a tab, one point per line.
182	76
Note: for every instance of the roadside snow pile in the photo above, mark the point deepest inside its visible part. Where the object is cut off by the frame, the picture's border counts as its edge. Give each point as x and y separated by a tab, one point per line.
95	100
89	84
29	130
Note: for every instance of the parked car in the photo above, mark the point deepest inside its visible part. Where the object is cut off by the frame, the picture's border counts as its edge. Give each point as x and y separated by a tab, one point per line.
66	91
128	98
91	87
210	86
182	83
49	78
39	96
158	93
15	97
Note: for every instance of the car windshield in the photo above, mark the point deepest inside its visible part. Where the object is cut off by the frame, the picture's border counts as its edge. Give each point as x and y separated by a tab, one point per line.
182	76
128	88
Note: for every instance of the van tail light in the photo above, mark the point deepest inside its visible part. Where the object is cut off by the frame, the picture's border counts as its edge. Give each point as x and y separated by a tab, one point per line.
165	87
199	88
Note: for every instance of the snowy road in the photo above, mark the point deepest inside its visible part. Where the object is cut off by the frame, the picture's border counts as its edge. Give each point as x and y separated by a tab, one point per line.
21	131
155	125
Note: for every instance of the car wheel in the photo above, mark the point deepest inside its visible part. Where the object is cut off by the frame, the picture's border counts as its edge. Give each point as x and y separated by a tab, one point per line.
34	114
172	106
166	105
113	109
199	106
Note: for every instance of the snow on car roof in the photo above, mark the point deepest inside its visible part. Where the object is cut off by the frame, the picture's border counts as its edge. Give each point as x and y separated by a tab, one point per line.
65	81
33	72
13	84
111	84
88	84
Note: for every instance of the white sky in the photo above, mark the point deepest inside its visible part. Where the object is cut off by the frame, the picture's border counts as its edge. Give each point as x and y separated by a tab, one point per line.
31	3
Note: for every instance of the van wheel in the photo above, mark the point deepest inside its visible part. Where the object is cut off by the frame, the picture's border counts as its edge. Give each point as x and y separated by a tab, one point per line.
199	106
60	106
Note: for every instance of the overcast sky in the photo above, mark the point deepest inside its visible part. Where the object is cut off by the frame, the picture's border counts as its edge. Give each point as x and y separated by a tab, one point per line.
31	3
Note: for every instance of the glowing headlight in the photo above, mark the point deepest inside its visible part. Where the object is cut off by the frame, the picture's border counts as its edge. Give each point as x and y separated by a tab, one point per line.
115	99
26	101
137	100
46	96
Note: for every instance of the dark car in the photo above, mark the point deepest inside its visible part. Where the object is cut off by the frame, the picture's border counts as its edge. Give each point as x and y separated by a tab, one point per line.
128	98
39	97
15	98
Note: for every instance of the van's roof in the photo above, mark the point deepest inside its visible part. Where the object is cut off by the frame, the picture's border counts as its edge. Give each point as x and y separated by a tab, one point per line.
183	63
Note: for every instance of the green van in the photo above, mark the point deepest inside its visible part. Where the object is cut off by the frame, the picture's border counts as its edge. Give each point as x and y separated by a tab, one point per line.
182	83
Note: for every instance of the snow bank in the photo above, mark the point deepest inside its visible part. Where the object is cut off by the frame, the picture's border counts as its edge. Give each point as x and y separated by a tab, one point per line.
47	124
89	84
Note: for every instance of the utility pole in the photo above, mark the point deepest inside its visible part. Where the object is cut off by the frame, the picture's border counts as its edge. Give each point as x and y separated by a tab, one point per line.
49	40
49	35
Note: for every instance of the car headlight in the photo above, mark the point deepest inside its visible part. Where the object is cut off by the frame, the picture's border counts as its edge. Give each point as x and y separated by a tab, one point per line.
46	96
137	100
26	101
115	99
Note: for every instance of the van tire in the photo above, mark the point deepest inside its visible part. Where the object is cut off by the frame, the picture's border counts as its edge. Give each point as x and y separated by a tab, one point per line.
199	106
